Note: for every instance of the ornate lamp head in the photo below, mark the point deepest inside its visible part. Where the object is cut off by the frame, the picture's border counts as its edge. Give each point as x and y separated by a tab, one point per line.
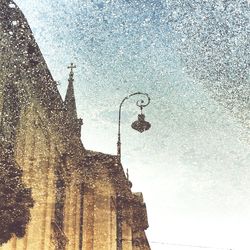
141	125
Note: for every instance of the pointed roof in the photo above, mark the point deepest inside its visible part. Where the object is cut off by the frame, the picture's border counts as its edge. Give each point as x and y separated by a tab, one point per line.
28	66
70	102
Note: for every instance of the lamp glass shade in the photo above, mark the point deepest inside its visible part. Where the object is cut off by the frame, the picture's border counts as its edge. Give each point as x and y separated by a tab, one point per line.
141	125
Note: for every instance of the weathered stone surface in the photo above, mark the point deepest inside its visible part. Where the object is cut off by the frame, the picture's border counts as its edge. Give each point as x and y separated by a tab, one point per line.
77	193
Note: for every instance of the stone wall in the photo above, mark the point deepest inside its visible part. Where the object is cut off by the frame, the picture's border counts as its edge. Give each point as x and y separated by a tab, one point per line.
37	156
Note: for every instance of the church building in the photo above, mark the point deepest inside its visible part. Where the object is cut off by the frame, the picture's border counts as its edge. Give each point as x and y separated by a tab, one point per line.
82	198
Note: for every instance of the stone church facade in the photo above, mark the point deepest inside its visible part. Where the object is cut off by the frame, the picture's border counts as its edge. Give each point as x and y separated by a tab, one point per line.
83	199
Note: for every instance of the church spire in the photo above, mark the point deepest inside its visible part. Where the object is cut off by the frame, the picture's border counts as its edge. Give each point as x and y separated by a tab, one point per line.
70	103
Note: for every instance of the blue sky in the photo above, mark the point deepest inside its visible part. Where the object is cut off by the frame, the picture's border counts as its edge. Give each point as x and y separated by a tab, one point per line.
192	165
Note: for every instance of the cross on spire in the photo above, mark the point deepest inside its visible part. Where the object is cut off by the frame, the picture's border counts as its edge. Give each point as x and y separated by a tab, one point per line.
72	66
71	74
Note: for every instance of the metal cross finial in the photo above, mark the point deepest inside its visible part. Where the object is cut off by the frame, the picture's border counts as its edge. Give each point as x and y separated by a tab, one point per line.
71	67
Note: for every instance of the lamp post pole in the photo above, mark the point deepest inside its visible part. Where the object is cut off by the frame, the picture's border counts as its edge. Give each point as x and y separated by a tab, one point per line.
141	125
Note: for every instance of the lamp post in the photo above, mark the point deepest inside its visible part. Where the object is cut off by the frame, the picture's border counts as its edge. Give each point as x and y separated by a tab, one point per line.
140	125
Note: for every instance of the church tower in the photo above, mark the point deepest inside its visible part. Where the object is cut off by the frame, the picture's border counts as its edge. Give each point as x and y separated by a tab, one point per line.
70	102
70	105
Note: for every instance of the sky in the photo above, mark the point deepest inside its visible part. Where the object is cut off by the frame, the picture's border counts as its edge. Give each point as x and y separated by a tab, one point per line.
191	57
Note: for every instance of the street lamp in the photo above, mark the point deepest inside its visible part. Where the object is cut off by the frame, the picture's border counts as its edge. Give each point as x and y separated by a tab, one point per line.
140	125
